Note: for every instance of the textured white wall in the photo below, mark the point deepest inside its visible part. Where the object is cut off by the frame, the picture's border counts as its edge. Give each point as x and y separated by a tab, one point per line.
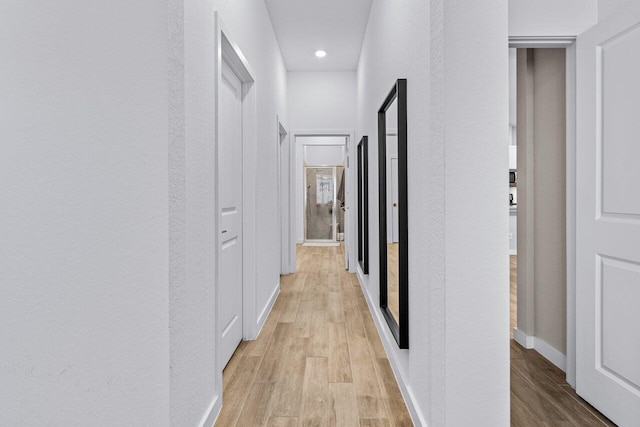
194	381
552	17
195	384
84	246
456	371
322	100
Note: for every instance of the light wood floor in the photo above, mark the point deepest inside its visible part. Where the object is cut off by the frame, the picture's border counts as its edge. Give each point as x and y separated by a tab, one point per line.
540	395
318	360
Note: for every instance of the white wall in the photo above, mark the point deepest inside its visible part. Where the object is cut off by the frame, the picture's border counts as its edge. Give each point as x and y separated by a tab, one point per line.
456	371
322	100
195	384
84	248
607	7
552	17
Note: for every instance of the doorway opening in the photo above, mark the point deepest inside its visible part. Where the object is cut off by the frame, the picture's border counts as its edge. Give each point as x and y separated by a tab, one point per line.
323	160
542	138
324	193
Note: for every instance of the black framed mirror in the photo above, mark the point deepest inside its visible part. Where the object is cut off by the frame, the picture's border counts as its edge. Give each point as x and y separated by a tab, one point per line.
363	204
393	237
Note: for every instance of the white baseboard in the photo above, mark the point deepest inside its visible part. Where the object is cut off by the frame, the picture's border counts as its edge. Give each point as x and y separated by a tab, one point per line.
267	309
388	342
523	339
210	417
551	354
542	347
513	252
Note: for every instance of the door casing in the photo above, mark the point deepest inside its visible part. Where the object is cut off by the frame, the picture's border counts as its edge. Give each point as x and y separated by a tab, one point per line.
350	185
226	48
568	43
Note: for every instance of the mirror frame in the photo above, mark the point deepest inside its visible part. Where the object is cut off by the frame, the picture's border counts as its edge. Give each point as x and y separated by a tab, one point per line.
363	204
400	329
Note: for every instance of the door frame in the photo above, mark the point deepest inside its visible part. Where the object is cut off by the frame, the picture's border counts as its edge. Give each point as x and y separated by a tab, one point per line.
569	44
225	48
350	186
287	226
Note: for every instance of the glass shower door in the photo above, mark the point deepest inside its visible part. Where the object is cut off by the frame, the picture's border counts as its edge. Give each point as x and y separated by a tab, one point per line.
320	204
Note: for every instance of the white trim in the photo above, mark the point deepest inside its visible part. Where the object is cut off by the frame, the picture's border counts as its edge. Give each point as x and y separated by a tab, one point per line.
523	339
513	252
550	353
267	310
349	189
571	214
541	346
541	41
387	338
211	415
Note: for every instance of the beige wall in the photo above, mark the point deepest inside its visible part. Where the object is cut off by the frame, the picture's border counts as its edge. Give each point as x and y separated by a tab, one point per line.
541	210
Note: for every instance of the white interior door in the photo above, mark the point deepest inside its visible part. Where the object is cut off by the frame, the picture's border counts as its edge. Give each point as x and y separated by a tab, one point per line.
608	217
395	237
230	210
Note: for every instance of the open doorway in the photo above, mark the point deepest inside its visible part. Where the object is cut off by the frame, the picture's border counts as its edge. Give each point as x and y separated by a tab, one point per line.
322	198
322	163
541	232
538	200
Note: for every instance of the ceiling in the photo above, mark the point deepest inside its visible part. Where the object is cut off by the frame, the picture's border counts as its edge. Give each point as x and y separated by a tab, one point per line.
304	26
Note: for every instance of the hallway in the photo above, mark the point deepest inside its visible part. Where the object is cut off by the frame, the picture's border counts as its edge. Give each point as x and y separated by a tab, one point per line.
318	360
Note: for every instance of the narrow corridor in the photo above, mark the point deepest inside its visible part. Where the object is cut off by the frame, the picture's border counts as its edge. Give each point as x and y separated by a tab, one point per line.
318	360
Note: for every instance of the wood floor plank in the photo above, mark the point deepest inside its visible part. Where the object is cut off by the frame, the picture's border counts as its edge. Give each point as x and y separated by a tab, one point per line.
289	307
255	411
283	422
315	394
368	393
335	307
372	335
374	422
339	360
396	408
287	398
271	365
258	346
319	334
233	364
237	391
302	325
341	405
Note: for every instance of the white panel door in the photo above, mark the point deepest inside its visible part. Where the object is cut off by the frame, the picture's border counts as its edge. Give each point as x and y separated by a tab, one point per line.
608	217
230	210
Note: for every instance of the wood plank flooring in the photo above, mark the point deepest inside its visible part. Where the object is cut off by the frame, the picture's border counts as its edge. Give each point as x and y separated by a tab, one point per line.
318	361
540	396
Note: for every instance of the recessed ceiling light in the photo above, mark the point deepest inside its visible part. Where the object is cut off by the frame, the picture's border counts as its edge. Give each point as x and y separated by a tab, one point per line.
321	53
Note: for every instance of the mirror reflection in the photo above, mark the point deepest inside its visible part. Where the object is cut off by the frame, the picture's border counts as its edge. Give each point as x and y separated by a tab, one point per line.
393	295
